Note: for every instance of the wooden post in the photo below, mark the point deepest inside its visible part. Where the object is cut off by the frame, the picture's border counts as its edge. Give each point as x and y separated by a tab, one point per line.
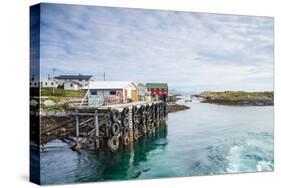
97	129
89	95
77	132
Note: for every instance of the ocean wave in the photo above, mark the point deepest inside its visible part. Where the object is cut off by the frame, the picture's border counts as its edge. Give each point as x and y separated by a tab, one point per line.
234	159
252	152
265	166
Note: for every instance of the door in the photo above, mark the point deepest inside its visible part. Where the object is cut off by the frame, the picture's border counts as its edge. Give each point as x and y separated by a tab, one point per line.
134	95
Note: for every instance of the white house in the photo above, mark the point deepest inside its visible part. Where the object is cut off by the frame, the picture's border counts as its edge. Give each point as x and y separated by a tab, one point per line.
115	91
73	82
72	85
34	83
67	82
47	83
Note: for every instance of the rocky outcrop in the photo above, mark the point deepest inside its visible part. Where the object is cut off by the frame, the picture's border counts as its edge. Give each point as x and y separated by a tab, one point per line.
244	102
177	107
238	98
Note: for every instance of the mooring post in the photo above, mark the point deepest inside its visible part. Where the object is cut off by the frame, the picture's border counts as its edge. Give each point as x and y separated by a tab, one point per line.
77	131
97	129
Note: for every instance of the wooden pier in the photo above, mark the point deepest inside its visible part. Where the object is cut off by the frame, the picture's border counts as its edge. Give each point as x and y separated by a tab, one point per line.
109	126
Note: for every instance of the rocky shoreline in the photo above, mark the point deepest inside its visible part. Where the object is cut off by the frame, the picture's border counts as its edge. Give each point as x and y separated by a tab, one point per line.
246	102
238	98
177	107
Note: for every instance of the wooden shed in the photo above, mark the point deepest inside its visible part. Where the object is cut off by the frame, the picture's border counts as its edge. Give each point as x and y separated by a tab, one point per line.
114	91
157	89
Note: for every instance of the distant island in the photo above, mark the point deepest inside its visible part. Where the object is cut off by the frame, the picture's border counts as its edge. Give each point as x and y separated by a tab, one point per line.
238	98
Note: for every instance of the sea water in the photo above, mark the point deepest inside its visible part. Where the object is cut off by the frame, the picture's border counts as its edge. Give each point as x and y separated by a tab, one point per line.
207	139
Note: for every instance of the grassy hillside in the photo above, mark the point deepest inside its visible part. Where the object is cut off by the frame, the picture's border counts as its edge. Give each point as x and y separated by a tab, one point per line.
61	92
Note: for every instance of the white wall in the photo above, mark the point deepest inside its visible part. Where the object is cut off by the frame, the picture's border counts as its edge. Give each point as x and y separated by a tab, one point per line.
34	83
43	83
106	92
48	83
129	92
84	83
67	86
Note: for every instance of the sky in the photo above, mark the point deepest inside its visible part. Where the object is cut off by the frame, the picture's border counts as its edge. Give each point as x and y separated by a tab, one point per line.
190	51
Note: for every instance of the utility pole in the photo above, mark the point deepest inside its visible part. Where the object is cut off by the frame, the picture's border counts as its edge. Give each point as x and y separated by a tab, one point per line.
53	80
103	76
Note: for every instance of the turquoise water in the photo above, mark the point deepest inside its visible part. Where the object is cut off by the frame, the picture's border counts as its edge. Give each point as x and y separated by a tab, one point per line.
205	140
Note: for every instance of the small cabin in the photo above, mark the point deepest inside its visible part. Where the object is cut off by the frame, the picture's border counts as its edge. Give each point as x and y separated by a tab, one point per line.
158	91
113	92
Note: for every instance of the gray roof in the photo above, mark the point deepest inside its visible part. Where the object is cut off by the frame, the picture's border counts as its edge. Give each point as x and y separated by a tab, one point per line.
84	77
110	84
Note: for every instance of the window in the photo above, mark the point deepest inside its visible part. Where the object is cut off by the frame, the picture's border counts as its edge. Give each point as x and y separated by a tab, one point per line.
112	92
52	83
71	85
93	92
46	83
41	84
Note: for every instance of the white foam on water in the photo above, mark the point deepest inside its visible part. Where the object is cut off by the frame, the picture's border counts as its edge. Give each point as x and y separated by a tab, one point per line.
239	160
264	166
234	158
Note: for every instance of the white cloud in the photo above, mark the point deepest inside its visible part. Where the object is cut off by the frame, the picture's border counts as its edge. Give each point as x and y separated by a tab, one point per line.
184	49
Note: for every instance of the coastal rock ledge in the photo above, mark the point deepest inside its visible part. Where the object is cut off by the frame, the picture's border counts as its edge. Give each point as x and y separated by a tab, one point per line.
245	102
177	107
238	98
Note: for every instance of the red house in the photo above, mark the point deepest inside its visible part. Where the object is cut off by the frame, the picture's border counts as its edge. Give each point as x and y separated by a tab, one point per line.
157	89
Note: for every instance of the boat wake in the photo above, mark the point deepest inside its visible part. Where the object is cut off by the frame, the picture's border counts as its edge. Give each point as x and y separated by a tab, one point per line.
250	153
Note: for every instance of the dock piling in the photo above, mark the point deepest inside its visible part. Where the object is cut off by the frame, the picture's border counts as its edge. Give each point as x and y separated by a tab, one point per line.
77	147
97	129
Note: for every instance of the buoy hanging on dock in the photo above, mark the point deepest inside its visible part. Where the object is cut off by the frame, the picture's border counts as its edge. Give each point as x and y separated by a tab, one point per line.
115	128
126	140
113	143
115	115
126	131
125	112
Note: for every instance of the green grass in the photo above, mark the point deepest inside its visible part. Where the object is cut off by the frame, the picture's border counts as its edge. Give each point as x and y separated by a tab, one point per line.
60	93
53	108
237	95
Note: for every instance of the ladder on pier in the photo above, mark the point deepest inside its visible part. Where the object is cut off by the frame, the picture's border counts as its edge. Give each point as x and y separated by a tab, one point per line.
131	130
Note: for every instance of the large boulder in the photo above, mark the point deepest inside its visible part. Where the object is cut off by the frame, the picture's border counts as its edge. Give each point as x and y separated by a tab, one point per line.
49	103
33	102
61	103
